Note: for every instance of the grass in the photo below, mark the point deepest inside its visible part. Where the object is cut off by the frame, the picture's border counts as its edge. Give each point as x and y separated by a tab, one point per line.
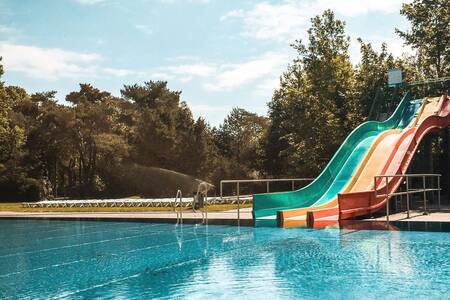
17	207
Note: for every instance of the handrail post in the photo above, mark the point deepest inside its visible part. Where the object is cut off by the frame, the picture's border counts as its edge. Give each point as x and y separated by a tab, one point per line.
181	208
424	194
439	192
387	200
205	207
293	185
267	186
221	190
407	196
239	206
179	212
375	194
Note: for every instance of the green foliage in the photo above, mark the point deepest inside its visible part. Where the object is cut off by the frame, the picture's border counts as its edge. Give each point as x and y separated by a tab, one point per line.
153	182
429	35
86	149
237	139
316	104
17	188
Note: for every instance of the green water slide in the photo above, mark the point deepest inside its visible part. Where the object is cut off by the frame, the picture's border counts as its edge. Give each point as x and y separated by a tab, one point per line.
341	167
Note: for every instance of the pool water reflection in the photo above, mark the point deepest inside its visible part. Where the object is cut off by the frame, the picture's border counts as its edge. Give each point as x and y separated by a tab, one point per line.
71	259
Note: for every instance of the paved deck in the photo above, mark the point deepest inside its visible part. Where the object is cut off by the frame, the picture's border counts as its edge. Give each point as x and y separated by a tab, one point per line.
227	217
416	216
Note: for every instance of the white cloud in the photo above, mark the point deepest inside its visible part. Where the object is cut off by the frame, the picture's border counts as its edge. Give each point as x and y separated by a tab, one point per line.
6	29
395	46
183	58
270	21
183	72
47	63
118	72
89	2
206	108
262	72
260	68
268	86
54	63
200	69
144	28
188	1
289	19
186	79
214	113
353	8
161	76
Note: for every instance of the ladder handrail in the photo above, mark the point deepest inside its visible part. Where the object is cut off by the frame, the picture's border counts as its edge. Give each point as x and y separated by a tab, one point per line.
180	210
202	189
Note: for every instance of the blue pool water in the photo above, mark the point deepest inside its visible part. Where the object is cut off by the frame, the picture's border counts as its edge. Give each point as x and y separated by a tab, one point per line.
125	260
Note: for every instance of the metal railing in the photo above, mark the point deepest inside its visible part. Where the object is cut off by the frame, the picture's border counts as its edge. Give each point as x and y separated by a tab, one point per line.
423	190
238	183
179	212
202	192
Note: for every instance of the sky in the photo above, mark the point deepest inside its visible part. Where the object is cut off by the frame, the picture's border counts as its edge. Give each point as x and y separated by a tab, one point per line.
220	53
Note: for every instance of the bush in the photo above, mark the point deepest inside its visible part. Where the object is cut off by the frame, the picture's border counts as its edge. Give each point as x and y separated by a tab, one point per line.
147	181
21	189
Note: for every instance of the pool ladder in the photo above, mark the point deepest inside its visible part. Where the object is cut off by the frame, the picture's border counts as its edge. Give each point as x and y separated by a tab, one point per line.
179	199
179	211
202	191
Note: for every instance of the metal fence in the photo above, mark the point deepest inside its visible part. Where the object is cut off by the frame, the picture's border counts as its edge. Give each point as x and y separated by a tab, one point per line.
408	190
239	183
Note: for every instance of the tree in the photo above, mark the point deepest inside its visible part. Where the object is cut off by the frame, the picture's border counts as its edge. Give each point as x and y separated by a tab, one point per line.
4	108
316	104
156	132
373	92
429	34
238	140
430	37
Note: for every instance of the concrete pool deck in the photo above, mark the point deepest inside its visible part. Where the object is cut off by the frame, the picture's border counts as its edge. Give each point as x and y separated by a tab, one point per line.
416	216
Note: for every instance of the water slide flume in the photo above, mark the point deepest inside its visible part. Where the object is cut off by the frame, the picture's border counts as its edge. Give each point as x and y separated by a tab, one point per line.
379	160
394	155
371	164
389	153
356	204
339	171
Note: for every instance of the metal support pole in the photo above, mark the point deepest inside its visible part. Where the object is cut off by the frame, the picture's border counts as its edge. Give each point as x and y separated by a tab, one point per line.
239	205
424	194
181	208
206	207
221	190
293	185
267	187
387	200
375	194
439	192
407	197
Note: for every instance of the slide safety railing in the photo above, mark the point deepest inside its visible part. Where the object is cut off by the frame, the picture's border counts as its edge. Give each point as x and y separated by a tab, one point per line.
239	183
379	179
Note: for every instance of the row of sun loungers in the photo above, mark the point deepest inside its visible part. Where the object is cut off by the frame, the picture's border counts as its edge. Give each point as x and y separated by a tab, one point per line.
131	202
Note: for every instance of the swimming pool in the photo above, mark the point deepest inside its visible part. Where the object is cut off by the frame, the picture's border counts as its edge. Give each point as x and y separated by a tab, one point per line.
80	259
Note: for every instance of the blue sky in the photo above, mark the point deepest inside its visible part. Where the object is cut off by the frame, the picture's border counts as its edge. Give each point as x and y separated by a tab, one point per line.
219	53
